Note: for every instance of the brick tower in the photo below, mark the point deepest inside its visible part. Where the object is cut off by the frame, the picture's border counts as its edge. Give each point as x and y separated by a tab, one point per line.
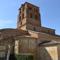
29	17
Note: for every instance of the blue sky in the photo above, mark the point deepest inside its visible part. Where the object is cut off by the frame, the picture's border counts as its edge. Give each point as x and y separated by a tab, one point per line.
49	9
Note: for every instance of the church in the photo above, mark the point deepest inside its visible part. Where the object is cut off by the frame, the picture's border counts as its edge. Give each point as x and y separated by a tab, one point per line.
30	40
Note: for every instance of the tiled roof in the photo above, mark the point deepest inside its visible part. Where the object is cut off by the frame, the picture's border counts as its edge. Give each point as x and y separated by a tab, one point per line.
5	33
48	43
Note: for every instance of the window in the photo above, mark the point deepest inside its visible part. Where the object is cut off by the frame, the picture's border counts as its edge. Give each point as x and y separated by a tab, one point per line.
21	22
36	16
35	10
20	11
31	15
34	29
23	7
19	17
22	15
29	7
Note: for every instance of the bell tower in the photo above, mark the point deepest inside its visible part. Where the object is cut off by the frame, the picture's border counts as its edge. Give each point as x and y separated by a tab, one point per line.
29	17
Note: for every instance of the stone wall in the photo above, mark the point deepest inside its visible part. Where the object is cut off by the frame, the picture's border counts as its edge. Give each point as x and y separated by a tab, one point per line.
47	53
25	45
28	45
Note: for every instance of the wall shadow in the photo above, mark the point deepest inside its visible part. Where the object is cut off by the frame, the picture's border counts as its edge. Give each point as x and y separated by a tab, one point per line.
43	54
58	50
12	57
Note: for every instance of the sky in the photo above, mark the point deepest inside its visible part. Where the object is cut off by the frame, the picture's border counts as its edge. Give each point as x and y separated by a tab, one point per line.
49	10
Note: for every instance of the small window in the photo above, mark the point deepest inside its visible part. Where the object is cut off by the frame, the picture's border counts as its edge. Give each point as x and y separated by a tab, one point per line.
35	10
34	29
19	17
23	7
36	16
29	7
31	15
21	23
22	15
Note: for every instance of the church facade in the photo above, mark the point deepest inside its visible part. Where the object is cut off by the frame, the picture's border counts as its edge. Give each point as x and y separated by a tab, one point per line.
30	40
